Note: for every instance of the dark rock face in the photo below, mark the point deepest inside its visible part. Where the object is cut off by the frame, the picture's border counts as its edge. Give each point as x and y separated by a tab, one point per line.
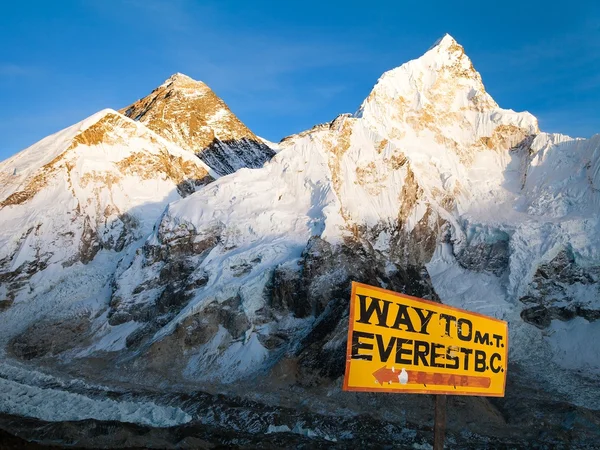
183	241
13	281
115	235
316	288
321	288
226	157
328	271
563	290
89	245
487	254
485	257
288	292
171	278
228	314
220	421
50	338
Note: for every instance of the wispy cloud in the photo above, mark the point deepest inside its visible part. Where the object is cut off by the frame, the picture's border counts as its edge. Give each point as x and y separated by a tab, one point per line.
262	64
284	76
258	67
575	121
555	76
172	15
15	70
553	58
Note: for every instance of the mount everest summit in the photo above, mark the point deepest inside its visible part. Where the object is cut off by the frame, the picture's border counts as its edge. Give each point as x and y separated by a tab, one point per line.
164	249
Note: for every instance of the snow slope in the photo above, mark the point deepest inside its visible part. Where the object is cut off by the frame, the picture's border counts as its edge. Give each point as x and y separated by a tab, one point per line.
429	155
430	172
189	114
97	186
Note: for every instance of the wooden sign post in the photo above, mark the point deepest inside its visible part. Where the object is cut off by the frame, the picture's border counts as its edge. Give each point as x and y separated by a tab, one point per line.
403	344
439	422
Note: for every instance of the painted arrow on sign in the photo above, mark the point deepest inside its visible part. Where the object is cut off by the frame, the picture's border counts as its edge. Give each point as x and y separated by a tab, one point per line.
402	376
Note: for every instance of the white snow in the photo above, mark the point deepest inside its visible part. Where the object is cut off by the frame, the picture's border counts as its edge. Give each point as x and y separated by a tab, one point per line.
28	392
55	405
239	359
32	158
566	344
573	344
419	144
364	169
299	429
88	184
111	338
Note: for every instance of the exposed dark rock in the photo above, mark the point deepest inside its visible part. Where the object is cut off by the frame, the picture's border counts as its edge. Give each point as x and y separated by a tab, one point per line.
197	280
562	290
49	338
241	269
274	341
175	270
322	350
321	288
89	245
492	257
225	157
287	291
175	259
139	336
5	304
538	316
172	300
180	242
14	281
325	272
119	317
197	330
200	328
564	269
189	186
7	301
231	316
129	224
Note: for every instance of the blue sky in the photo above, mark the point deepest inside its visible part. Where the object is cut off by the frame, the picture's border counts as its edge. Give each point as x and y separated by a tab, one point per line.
283	66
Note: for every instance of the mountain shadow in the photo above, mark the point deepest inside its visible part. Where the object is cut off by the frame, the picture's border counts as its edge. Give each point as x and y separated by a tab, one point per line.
230	155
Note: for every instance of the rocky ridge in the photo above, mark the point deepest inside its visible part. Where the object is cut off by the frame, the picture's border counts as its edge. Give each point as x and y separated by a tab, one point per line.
430	189
190	114
98	185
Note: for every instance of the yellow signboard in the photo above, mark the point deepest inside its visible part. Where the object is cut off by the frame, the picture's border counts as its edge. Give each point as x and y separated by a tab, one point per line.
398	343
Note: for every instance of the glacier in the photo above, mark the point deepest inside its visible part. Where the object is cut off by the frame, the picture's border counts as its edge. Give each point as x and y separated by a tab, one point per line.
167	244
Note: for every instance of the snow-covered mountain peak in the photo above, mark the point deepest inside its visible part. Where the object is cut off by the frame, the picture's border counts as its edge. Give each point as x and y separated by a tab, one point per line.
44	151
443	79
446	42
91	146
105	127
181	81
24	171
91	120
178	76
190	114
98	185
442	96
446	55
111	270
